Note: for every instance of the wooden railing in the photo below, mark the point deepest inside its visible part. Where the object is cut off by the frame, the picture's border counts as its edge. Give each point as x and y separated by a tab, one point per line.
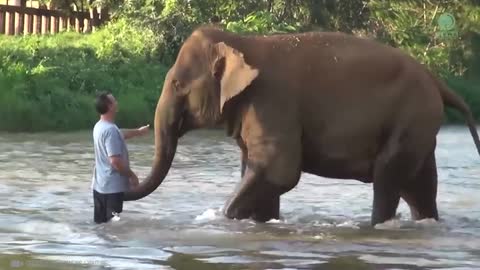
16	20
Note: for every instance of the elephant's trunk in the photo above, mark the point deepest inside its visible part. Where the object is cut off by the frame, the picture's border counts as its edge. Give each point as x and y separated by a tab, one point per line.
166	129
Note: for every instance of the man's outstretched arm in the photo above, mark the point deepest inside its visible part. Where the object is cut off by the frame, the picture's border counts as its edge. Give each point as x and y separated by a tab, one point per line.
130	133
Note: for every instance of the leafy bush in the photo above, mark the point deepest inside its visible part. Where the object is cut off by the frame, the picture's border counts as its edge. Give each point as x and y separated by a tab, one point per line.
49	82
261	23
174	20
413	26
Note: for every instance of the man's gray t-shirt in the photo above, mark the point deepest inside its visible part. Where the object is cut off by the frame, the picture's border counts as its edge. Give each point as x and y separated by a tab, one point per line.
108	141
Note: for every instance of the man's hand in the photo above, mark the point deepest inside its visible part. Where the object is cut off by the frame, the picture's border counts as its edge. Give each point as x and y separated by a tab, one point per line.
133	181
143	130
121	167
130	133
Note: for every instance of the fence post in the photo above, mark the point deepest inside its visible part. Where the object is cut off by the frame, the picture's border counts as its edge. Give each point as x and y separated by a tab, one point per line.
94	19
27	27
61	24
44	24
53	24
19	20
2	22
69	23
10	23
77	24
86	25
37	24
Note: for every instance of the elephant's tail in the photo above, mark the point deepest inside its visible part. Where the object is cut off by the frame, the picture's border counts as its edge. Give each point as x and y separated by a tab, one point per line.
453	100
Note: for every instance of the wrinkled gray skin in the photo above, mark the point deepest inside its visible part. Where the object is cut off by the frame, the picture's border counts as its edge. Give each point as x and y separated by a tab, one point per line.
328	104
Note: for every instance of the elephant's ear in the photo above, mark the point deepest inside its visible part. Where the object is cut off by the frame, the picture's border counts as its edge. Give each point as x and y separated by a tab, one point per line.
234	74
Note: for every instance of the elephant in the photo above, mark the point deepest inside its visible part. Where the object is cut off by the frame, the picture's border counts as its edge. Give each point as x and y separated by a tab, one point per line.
325	103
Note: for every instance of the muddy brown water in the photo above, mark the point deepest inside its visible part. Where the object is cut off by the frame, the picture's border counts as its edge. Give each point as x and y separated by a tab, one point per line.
46	213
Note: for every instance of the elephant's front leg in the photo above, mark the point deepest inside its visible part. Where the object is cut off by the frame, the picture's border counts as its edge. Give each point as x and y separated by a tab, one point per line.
263	212
255	198
267	210
258	197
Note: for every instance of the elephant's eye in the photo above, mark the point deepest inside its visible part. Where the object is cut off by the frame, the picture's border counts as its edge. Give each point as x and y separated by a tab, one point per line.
179	88
177	85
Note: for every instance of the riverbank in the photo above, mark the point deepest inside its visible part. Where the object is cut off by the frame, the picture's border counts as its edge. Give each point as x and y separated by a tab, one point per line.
48	83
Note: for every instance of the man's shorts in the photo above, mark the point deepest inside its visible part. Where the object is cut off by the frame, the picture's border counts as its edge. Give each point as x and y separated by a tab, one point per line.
106	206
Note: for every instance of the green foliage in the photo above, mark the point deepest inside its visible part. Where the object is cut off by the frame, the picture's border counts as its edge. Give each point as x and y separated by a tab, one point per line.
469	89
174	20
413	26
49	82
261	23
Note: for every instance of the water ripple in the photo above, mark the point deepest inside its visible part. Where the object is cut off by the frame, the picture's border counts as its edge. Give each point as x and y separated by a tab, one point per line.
325	223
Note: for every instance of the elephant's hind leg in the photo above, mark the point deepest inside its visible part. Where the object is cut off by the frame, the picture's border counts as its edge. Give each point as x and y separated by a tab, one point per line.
396	163
386	194
421	193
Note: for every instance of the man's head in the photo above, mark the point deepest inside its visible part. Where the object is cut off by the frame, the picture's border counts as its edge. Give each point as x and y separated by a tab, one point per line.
106	104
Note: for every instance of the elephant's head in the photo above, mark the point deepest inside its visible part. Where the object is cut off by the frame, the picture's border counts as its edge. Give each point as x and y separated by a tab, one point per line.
206	75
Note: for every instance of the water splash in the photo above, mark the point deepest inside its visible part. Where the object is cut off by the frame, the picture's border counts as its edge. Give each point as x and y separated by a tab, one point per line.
209	215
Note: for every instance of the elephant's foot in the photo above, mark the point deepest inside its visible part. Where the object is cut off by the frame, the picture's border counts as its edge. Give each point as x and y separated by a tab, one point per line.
259	213
397	172
255	199
385	203
267	210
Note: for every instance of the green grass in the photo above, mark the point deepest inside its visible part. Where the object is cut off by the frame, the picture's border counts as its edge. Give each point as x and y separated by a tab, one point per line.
49	82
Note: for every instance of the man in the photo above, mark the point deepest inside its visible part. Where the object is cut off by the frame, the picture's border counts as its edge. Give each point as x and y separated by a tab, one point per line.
112	175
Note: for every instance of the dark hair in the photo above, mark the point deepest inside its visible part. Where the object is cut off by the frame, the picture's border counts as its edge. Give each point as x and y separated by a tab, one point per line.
102	101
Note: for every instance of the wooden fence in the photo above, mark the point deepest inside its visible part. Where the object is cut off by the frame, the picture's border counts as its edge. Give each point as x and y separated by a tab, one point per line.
16	20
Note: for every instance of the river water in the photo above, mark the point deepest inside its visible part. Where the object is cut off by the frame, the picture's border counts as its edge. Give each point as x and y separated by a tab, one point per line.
46	213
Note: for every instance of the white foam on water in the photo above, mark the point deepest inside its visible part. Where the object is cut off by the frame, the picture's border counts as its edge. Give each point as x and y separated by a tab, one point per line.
323	224
275	221
208	215
392	224
115	218
348	224
428	222
395	224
